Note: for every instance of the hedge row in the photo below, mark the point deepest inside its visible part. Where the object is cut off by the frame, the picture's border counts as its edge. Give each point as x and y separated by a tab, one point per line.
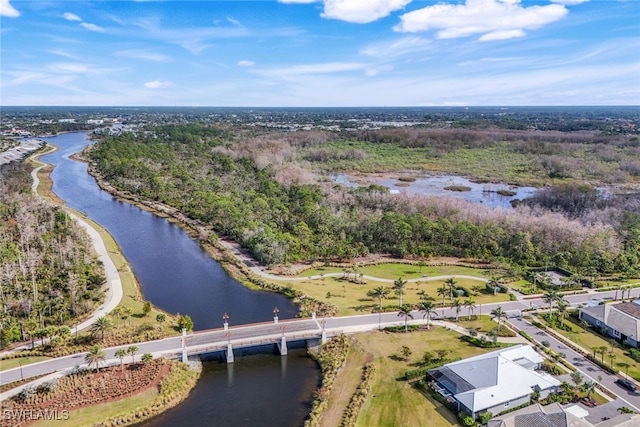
331	359
360	396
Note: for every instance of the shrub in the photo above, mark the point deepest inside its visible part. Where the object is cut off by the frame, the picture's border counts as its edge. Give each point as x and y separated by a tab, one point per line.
485	417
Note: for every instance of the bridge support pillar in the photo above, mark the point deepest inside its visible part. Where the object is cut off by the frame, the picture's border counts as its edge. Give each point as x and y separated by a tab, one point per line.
229	353
282	346
184	356
323	337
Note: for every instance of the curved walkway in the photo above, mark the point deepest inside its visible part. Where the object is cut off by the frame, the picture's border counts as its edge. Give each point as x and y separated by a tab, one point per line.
256	268
114	284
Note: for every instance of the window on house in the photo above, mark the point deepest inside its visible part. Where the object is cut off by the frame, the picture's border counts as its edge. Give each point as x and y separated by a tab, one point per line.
616	334
597	323
506	404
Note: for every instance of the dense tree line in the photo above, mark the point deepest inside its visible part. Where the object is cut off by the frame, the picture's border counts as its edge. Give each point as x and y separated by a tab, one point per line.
48	273
223	179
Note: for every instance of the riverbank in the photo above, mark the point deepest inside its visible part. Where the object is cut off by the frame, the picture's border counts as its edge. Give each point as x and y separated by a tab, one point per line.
240	267
122	289
114	292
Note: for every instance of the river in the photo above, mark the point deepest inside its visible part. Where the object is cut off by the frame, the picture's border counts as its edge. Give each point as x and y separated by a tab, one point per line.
178	276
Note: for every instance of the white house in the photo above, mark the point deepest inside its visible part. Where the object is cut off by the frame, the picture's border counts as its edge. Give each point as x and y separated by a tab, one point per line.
495	381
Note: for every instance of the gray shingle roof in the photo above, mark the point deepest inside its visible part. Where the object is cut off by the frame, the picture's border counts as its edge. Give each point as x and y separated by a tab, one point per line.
541	420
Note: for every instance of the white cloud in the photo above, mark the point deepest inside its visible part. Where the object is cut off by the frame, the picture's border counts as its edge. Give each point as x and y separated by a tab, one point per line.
92	27
246	63
7	10
68	68
233	21
61	53
324	68
71	17
403	46
569	2
361	11
355	11
157	84
143	54
491	19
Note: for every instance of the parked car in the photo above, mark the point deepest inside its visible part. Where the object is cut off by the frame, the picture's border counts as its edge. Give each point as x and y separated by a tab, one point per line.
626	384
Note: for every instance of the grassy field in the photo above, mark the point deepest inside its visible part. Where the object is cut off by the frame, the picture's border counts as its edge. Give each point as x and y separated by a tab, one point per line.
21	361
345	384
395	402
393	271
484	324
97	413
589	340
351	298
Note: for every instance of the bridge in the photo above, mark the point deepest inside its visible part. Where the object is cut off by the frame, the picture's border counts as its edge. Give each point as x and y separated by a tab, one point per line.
312	330
226	339
277	332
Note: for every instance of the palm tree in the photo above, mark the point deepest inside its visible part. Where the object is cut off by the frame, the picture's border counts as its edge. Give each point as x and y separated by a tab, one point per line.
494	282
95	356
625	365
101	326
457	304
563	311
132	350
379	292
424	296
550	297
471	306
116	313
499	314
451	283
428	308
612	357
589	387
120	354
399	285
405	311
602	350
126	314
444	292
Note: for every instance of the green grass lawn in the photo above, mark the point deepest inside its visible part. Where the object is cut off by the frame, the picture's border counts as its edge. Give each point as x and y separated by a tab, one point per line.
393	271
394	402
484	324
20	361
95	414
351	298
588	339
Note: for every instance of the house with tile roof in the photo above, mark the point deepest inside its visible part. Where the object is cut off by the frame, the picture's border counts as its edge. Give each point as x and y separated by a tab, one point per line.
621	321
556	415
494	382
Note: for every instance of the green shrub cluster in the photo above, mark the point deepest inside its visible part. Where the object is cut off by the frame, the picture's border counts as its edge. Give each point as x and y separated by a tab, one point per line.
331	358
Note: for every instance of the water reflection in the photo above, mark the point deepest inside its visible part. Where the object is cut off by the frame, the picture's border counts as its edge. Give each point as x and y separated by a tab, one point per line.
485	193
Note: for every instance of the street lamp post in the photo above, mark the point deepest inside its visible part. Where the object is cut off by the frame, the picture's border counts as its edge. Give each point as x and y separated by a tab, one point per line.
323	336
275	315
21	374
225	318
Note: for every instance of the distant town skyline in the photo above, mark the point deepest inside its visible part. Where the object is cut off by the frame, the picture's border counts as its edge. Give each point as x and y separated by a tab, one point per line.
320	52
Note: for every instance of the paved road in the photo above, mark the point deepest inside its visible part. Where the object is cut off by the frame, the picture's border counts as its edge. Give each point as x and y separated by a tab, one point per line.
238	333
584	365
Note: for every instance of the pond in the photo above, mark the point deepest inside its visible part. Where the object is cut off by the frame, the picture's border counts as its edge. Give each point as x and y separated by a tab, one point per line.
436	185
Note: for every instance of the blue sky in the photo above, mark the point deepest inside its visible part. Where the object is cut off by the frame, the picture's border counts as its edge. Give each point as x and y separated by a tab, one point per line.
320	53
